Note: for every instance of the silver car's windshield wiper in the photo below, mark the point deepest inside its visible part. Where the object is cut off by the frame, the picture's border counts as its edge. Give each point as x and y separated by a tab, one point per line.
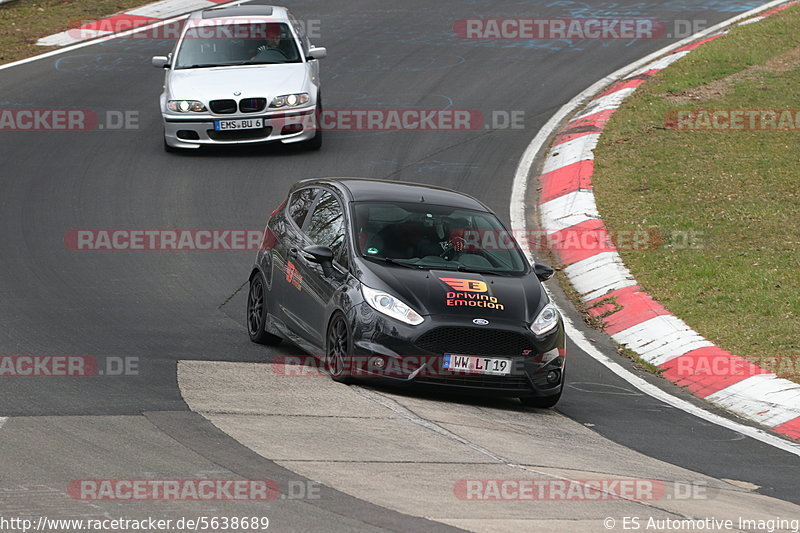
204	65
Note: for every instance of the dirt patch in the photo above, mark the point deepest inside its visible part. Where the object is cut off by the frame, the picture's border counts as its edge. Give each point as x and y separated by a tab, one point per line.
720	88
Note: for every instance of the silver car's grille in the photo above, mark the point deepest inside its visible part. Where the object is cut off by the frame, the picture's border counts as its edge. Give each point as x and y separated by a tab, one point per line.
222	107
252	105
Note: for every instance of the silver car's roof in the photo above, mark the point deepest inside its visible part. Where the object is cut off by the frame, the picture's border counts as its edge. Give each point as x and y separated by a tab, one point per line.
225	14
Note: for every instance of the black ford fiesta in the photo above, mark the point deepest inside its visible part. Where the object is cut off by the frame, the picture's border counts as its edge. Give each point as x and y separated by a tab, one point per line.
410	283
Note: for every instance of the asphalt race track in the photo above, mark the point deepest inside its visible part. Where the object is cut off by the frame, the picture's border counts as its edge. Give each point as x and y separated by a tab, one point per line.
182	313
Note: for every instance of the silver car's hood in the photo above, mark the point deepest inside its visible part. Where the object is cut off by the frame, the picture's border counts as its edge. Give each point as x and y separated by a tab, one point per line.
251	81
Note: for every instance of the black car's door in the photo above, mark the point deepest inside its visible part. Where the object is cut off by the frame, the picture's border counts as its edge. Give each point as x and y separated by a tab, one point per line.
286	280
326	226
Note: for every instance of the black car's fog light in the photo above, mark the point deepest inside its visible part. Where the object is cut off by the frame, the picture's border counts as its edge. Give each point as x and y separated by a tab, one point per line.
553	376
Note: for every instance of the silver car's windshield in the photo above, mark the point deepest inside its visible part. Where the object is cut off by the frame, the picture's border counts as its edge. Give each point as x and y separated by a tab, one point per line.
237	44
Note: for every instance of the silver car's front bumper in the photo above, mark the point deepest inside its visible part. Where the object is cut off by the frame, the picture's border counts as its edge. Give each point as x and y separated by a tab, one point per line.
182	131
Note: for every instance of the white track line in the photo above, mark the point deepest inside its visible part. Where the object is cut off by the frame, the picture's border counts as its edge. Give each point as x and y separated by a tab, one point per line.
518	220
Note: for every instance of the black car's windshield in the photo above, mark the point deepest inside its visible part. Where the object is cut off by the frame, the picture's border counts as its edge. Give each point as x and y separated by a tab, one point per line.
237	44
434	236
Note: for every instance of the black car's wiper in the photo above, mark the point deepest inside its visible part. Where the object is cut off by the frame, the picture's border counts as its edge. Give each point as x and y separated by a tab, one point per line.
462	268
391	261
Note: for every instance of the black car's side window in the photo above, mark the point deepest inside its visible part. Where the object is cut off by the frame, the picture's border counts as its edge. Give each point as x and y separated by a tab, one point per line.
326	227
300	204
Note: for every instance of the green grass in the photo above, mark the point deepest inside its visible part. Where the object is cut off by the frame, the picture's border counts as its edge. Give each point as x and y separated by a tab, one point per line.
23	22
739	191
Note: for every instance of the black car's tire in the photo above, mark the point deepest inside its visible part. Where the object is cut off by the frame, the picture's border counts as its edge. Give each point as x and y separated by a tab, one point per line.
338	349
257	312
544	402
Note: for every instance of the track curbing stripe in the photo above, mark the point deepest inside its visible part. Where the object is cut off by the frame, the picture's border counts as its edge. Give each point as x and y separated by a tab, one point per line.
664	339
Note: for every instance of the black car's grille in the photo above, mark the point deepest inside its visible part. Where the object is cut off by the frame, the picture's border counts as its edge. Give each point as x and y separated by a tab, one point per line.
240	135
474	341
222	107
479	381
252	105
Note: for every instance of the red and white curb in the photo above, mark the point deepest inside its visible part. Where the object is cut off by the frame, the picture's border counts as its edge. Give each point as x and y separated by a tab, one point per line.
632	318
140	16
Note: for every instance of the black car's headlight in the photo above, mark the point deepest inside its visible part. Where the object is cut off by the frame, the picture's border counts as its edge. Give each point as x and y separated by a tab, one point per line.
546	320
186	106
290	100
389	305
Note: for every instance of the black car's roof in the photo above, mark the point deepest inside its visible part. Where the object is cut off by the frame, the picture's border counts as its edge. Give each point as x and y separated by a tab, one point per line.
370	190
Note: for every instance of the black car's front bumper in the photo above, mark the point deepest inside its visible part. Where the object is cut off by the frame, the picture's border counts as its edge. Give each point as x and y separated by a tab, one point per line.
387	349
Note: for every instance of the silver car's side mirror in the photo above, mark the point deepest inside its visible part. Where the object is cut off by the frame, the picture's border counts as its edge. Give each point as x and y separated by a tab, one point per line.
317	52
160	61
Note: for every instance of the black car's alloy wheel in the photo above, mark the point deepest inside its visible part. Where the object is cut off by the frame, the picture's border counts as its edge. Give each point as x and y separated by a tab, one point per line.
257	313
337	349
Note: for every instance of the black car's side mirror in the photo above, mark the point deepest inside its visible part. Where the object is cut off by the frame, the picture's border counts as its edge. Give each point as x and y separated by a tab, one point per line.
322	255
543	272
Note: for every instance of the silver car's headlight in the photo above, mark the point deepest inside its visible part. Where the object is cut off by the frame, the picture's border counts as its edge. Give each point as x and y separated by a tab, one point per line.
290	100
392	306
186	106
546	320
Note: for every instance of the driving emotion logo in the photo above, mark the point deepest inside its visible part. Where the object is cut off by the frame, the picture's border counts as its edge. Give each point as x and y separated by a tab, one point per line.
470	293
466	285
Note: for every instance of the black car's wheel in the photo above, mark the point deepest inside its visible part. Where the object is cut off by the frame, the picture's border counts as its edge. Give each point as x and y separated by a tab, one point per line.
257	312
543	402
338	349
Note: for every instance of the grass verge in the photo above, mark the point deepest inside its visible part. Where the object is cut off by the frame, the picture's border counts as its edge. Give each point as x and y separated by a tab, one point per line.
734	194
23	22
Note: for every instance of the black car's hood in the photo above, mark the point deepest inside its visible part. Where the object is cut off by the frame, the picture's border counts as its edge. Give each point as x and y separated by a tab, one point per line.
459	294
